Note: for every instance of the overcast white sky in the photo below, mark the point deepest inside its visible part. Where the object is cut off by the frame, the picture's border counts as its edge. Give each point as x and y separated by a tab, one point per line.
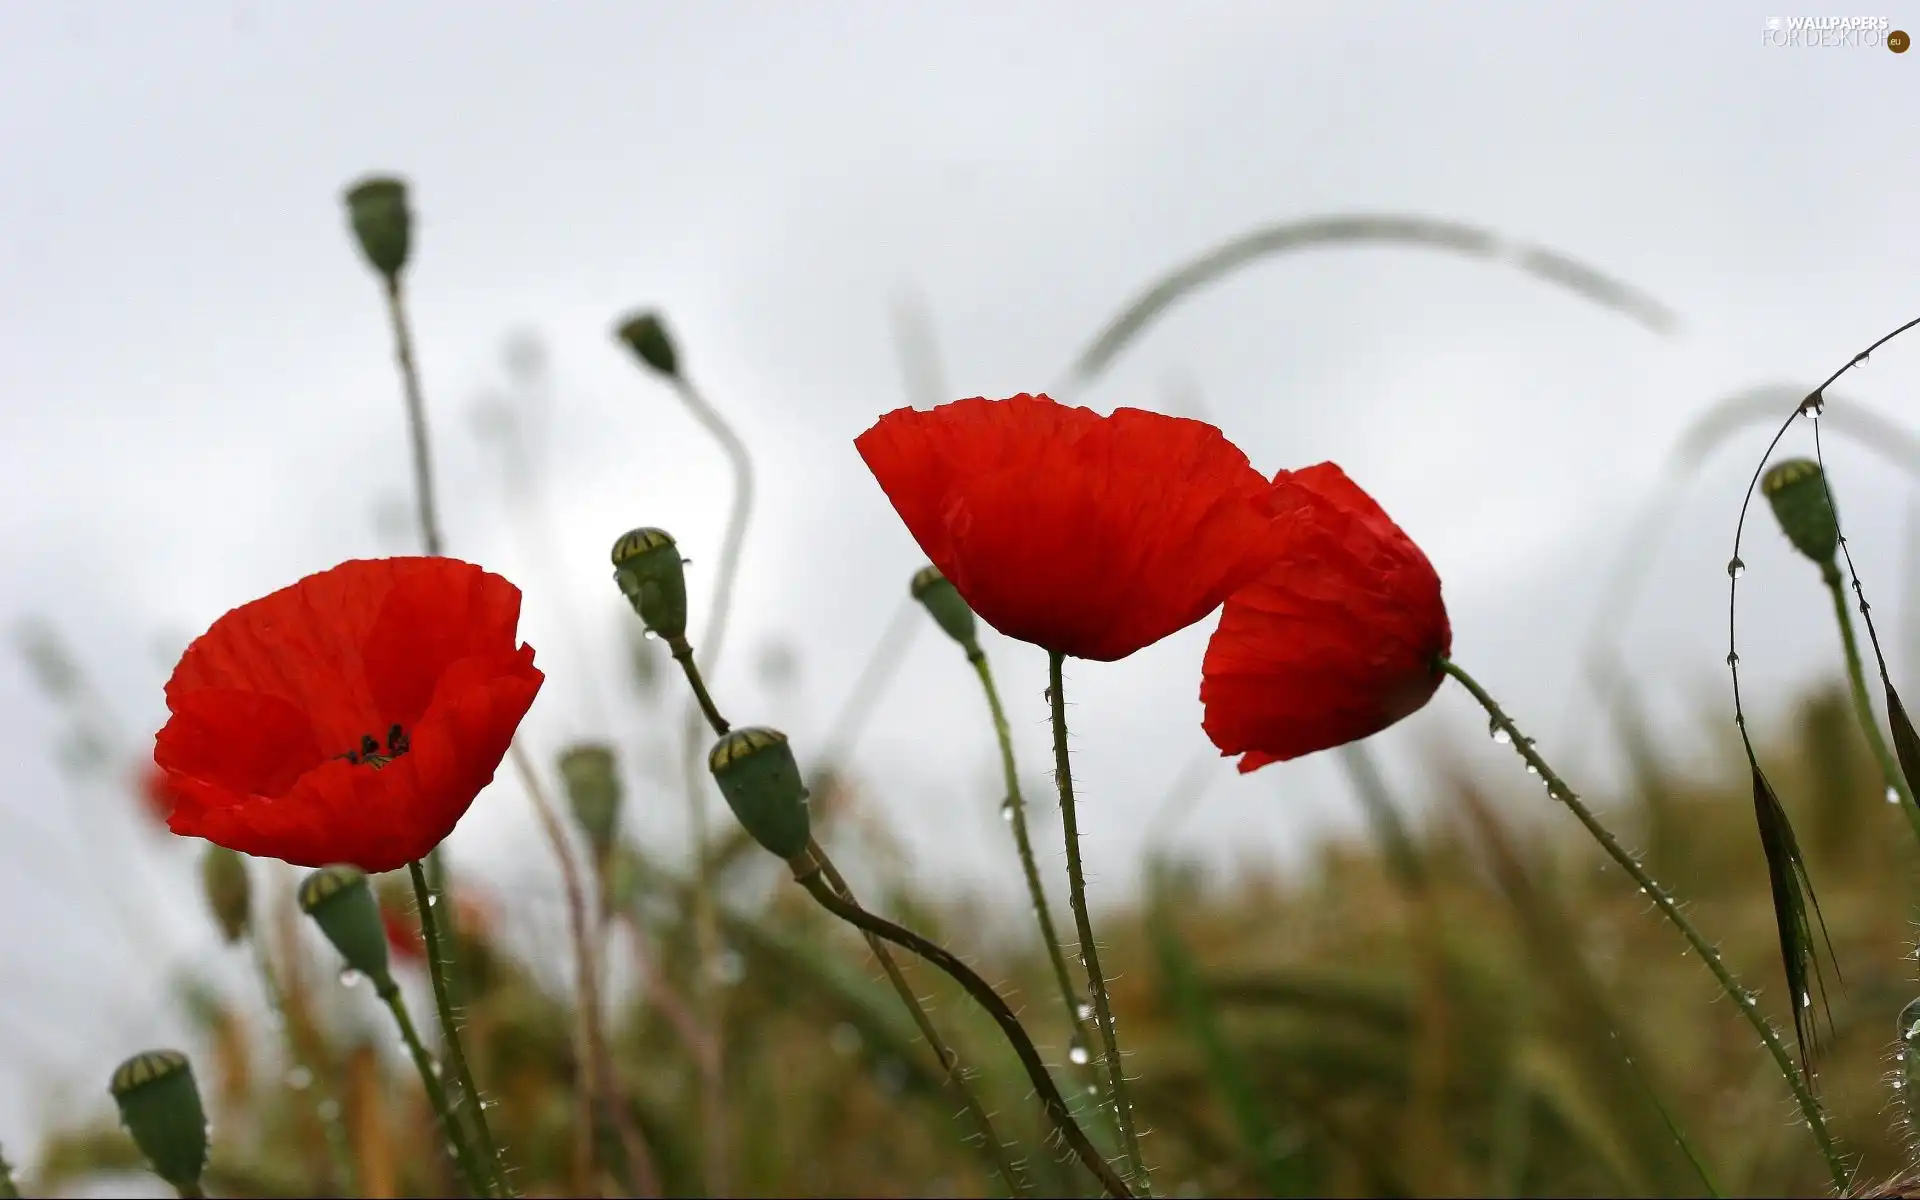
197	403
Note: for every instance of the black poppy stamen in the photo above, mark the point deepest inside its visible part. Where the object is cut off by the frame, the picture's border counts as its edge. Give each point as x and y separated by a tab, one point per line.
370	753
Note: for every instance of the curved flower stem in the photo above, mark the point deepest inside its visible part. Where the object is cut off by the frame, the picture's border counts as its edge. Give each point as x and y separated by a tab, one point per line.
1083	922
326	1111
436	971
1743	1000
1017	817
710	419
949	1062
477	1181
416	416
1890	773
807	872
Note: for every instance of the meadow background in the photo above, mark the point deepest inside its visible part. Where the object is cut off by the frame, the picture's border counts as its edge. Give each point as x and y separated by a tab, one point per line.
848	207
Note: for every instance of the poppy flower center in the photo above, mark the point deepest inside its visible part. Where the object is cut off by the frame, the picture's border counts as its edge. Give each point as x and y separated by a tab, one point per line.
371	753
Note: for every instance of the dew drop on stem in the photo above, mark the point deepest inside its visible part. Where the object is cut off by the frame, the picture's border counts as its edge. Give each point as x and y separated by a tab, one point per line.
1893	794
1077	1053
350	977
1735	567
1498	732
1083	1010
1006	809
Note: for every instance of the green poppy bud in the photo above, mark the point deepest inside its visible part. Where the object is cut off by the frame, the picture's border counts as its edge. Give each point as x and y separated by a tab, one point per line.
646	335
1798	492
761	781
943	601
650	572
229	891
341	903
593	789
377	207
160	1106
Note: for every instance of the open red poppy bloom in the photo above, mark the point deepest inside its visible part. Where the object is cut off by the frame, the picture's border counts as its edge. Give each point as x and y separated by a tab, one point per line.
1336	641
350	718
1091	536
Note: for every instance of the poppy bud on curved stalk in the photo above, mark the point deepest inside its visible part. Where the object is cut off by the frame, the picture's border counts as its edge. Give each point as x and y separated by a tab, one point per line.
377	207
650	572
757	774
593	790
646	335
229	891
1797	490
942	601
341	903
160	1107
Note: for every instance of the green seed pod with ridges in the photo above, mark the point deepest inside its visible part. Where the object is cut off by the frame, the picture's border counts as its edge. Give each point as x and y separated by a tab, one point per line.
160	1106
757	774
342	904
646	335
1797	490
943	601
593	790
228	889
650	572
377	206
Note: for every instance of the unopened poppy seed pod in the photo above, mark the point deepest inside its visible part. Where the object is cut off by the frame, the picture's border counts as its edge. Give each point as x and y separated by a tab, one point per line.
943	602
341	903
229	891
593	790
650	572
160	1106
646	335
377	206
1797	490
761	781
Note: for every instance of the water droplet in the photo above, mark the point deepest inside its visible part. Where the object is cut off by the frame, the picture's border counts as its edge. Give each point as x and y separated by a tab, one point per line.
1093	1089
1893	795
845	1040
329	1110
433	900
1735	567
1806	1001
299	1079
1498	732
350	977
1006	809
650	635
1861	360
1083	1010
1077	1053
1532	770
1813	406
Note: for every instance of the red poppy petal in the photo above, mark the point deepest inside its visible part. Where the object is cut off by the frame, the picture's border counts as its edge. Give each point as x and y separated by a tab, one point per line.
434	615
243	741
1092	536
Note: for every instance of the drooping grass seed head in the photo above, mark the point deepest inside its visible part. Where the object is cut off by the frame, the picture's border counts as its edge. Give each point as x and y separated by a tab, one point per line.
342	904
160	1106
756	771
377	206
651	574
228	889
942	601
1797	490
646	335
593	790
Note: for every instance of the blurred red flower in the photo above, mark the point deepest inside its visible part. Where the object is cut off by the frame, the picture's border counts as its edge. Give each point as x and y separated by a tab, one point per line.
1336	641
154	792
1087	535
401	920
349	718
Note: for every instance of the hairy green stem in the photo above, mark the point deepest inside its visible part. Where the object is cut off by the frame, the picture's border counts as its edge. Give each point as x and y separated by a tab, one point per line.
1743	1000
996	1149
1083	923
450	1031
477	1180
1017	817
808	874
1893	778
416	417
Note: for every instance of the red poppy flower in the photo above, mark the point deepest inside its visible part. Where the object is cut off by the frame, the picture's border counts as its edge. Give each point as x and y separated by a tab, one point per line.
350	718
1336	641
1091	536
404	936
